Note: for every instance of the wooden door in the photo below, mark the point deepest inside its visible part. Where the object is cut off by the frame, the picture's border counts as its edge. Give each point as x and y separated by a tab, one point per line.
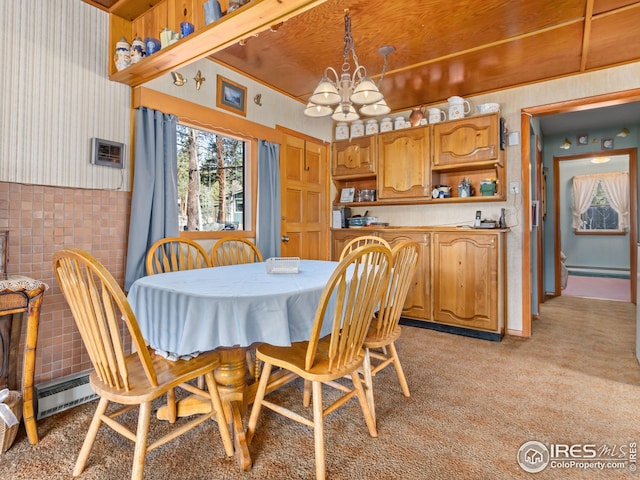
403	164
304	199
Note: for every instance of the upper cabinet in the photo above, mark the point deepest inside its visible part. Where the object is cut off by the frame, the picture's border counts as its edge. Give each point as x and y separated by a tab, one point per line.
409	165
403	163
354	158
135	18
466	142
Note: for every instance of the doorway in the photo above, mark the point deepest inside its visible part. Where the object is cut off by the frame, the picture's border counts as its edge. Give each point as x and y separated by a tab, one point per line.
593	260
531	192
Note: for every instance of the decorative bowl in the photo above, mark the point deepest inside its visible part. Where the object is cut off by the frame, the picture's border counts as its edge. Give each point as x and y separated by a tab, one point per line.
488	107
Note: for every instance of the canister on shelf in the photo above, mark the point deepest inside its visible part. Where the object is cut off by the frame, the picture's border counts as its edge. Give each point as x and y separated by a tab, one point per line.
357	128
400	122
386	125
342	131
371	127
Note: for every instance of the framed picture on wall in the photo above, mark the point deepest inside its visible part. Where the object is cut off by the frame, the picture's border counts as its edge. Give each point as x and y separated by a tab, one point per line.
582	139
231	96
607	144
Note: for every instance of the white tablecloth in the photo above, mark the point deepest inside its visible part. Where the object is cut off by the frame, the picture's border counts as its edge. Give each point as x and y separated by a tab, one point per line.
199	310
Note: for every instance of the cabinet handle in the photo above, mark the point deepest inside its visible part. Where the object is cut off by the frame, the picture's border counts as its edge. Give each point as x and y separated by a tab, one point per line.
284	238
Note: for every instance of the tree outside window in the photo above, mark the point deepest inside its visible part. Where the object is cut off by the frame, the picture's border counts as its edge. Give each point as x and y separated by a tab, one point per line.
211	180
600	215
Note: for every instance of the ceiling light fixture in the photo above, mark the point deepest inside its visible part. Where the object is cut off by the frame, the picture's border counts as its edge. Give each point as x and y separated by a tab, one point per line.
600	160
566	145
623	133
346	90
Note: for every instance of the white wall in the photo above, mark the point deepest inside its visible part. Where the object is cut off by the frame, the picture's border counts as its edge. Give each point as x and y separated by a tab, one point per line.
56	95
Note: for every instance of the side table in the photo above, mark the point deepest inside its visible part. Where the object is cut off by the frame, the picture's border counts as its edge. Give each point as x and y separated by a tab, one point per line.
19	294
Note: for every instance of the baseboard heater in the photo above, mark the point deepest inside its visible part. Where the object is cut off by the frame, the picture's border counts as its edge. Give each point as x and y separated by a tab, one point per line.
62	394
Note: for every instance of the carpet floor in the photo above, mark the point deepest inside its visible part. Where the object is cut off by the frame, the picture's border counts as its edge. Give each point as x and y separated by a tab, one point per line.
473	404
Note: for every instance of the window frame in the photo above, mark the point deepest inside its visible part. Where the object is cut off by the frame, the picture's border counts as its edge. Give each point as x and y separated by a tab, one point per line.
250	185
200	116
601	231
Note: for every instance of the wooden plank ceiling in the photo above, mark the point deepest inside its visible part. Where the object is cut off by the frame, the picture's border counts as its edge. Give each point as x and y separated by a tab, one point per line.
443	48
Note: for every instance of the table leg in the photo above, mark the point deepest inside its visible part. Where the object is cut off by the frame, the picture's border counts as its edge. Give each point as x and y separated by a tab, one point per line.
29	369
231	378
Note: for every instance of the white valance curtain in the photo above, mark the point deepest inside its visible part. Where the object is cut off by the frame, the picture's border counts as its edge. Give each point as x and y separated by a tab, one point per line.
615	186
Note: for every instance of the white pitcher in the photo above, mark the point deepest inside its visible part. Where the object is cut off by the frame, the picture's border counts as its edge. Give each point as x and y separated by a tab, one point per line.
458	107
436	115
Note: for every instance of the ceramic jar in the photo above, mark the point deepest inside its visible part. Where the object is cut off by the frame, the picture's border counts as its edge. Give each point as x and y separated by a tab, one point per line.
400	123
371	127
342	131
138	50
122	57
386	125
357	128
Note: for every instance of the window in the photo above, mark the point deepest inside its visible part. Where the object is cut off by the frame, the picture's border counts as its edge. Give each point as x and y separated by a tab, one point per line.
600	215
601	203
211	181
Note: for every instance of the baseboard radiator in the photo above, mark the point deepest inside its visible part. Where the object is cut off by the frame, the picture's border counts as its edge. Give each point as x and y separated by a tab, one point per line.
62	394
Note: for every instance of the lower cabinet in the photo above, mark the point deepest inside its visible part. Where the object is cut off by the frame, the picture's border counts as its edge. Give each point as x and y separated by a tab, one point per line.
460	285
468	280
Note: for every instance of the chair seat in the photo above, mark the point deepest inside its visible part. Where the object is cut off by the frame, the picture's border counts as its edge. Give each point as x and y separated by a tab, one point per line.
374	341
293	359
169	373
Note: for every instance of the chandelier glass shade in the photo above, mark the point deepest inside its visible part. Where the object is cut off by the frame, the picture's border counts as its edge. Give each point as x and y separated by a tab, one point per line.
336	94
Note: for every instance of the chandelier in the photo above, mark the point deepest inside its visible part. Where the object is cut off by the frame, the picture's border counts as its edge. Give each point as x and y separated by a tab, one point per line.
347	90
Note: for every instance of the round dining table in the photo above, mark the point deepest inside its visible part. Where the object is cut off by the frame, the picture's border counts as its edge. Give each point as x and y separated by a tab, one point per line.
232	309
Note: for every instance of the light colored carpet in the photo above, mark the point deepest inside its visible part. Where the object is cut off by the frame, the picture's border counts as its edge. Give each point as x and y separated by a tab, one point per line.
473	404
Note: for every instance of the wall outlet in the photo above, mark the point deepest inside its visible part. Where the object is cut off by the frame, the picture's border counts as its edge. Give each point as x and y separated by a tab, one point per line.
514	187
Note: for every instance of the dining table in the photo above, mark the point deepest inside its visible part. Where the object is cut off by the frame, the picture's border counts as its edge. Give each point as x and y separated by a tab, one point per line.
231	309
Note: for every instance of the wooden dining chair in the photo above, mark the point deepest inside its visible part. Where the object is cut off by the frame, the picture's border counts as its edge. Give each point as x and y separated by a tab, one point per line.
172	254
103	314
385	328
234	251
348	303
363	240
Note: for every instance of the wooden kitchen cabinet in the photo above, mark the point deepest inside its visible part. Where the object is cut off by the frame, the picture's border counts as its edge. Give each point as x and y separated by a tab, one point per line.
468	148
403	164
418	302
469	280
467	142
354	158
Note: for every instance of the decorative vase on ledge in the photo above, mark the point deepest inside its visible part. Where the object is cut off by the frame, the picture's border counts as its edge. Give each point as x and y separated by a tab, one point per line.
212	11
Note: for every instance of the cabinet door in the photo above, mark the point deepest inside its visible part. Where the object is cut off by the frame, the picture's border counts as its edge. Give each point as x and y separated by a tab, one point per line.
340	238
403	164
354	158
466	141
465	280
418	302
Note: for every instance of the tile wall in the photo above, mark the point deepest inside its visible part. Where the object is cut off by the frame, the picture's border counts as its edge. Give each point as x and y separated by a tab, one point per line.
42	220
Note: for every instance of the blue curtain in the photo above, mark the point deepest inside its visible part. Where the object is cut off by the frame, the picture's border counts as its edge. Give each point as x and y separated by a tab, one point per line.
154	199
268	214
